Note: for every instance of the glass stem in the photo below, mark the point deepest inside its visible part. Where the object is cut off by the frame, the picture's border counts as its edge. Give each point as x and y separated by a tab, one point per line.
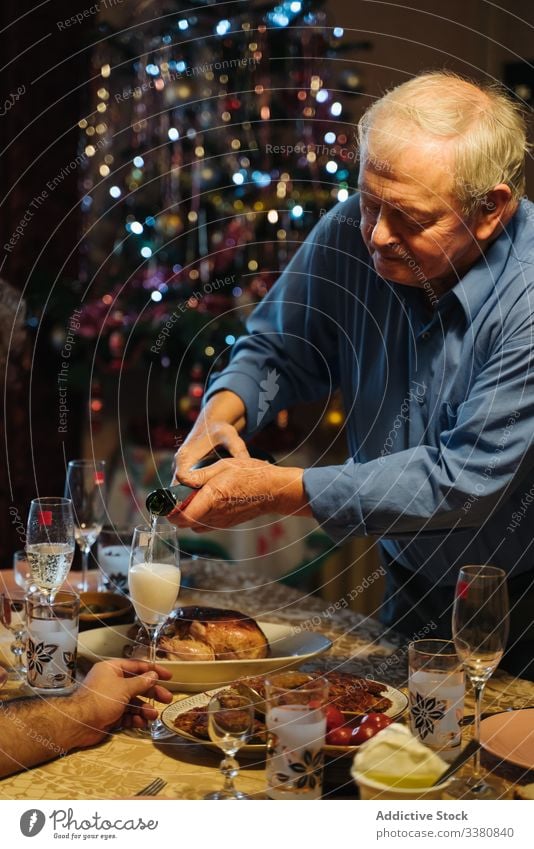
18	650
153	632
479	689
85	569
229	768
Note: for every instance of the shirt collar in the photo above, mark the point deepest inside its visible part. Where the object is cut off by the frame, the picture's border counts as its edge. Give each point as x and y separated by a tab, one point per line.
474	289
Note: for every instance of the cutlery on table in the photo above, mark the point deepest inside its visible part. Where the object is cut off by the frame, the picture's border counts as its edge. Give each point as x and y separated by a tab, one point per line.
153	788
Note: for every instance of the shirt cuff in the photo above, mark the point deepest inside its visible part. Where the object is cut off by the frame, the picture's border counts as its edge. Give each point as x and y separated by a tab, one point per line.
334	502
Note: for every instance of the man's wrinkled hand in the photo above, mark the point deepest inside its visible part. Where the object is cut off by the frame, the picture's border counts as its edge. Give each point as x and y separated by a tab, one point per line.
237	490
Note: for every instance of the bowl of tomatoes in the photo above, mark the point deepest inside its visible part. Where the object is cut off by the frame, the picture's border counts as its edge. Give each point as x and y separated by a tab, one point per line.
345	732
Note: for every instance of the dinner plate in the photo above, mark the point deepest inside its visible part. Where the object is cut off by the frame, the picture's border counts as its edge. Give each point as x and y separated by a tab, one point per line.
288	650
399	703
510	736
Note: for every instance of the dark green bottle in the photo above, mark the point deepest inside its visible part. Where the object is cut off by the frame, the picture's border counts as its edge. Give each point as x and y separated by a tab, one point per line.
161	502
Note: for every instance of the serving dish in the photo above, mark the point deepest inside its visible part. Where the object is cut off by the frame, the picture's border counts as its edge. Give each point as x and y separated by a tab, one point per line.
99	609
399	702
288	649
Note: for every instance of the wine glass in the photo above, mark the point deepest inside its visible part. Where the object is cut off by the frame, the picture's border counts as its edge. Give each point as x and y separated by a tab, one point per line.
13	617
230	724
21	570
480	630
114	546
50	543
85	486
154	584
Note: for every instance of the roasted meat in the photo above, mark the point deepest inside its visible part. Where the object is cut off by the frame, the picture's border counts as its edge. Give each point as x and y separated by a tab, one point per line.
195	722
207	633
346	692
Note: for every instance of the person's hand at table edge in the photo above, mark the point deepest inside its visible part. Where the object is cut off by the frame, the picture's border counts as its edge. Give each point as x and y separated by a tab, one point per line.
39	729
109	695
237	490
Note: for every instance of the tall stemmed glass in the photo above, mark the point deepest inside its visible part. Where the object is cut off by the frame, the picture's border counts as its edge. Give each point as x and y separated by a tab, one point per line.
154	584
13	617
85	486
50	543
480	630
230	724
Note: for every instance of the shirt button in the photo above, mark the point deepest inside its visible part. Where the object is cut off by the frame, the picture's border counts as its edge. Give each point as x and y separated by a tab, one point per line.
425	335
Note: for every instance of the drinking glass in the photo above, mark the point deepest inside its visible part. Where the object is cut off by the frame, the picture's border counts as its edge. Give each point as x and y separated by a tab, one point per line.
436	686
50	543
114	546
21	570
52	642
154	584
230	724
480	630
13	617
296	727
85	486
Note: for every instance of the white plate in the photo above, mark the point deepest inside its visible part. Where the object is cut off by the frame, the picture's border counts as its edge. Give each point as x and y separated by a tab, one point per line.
288	650
399	703
510	736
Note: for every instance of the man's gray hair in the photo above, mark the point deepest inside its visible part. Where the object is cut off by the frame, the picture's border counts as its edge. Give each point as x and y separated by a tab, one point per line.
487	127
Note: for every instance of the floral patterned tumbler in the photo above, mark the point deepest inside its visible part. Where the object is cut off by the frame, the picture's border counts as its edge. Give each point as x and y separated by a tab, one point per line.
296	726
436	687
52	636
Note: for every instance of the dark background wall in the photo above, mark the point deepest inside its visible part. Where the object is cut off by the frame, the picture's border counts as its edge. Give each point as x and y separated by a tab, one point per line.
471	37
48	68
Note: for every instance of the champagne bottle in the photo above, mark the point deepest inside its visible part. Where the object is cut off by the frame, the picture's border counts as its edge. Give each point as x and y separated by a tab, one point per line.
161	502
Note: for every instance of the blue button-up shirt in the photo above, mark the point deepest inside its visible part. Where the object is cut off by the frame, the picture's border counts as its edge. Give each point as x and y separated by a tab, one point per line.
439	404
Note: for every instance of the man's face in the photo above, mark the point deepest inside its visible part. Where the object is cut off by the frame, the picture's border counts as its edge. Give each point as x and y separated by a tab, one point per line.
412	224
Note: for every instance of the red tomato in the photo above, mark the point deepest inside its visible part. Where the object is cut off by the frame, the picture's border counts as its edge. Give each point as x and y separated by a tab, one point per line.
376	721
342	736
363	733
334	718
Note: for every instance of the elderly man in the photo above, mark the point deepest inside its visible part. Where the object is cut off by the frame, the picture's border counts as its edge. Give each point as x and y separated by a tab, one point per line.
37	730
416	298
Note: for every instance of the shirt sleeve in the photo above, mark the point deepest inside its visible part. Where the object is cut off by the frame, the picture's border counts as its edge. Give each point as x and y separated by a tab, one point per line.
290	352
482	456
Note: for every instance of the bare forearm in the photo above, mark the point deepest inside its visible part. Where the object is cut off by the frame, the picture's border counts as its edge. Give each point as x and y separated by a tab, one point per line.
33	731
225	406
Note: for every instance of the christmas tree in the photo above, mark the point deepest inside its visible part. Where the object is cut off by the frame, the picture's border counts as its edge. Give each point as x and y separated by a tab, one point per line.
215	139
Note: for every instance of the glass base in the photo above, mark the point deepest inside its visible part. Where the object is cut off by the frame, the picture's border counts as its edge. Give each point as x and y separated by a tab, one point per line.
223	794
16	673
472	788
159	731
138	733
53	691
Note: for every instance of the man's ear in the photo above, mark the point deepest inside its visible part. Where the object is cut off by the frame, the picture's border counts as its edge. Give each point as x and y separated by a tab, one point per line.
495	211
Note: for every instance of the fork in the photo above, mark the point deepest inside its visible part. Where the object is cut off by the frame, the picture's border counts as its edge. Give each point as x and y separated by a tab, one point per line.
153	788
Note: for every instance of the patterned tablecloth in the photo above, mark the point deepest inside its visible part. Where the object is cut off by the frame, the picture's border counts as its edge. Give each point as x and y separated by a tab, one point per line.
122	765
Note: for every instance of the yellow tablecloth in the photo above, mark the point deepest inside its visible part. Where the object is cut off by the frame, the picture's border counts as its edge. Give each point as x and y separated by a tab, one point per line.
122	765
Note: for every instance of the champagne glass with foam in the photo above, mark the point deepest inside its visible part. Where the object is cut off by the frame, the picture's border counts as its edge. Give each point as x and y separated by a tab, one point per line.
154	581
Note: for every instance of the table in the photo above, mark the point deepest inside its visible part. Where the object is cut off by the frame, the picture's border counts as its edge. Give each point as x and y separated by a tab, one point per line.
122	765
